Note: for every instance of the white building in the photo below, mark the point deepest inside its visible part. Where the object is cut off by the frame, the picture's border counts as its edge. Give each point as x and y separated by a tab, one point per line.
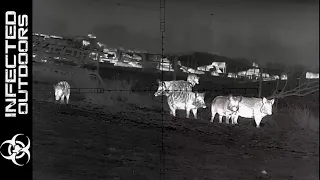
232	75
206	68
221	67
311	75
164	65
284	77
255	65
253	73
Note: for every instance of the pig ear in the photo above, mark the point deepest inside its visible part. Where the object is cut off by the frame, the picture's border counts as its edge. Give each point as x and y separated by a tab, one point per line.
264	100
272	101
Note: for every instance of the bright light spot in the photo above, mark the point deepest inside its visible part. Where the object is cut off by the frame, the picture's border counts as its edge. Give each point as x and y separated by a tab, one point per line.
92	36
310	75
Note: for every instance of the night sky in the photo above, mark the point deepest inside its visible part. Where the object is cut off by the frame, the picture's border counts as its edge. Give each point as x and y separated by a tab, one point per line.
268	30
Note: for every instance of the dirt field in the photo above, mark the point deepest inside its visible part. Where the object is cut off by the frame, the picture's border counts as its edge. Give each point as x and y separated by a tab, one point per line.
76	142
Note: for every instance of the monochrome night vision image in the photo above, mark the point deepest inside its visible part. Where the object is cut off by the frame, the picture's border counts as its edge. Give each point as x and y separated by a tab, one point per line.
175	90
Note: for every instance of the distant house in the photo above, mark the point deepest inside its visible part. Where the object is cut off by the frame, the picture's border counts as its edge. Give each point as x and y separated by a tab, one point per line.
253	73
85	43
255	65
232	75
164	65
221	67
311	75
57	40
206	68
284	77
65	52
92	36
58	46
194	71
94	55
109	55
88	42
122	64
51	39
186	69
275	77
135	64
214	73
36	38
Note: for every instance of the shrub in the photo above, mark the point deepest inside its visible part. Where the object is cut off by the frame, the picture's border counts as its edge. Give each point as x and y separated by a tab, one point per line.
119	92
303	117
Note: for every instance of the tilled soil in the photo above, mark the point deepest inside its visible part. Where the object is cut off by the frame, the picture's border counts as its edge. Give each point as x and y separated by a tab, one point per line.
73	142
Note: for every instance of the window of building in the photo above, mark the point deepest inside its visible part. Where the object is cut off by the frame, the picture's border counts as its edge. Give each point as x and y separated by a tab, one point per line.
58	49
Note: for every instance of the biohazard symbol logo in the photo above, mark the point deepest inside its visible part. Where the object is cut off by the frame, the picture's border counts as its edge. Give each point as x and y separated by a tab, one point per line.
16	150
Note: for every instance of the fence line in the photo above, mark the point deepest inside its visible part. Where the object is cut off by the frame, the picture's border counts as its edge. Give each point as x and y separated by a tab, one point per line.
102	90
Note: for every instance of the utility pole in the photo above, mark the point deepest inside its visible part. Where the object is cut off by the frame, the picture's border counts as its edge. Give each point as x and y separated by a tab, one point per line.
98	64
144	61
